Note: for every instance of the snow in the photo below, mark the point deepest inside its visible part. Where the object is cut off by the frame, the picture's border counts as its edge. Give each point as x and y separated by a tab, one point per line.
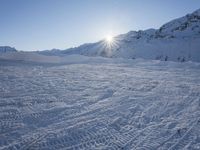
56	99
31	57
4	49
177	40
78	102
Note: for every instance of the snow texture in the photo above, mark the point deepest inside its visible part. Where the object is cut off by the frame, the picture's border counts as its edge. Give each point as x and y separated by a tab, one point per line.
86	103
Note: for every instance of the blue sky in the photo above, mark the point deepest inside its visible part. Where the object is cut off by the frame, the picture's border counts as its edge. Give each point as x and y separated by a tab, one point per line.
46	24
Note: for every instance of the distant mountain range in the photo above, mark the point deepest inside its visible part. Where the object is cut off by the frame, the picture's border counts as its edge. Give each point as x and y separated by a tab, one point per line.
177	40
5	49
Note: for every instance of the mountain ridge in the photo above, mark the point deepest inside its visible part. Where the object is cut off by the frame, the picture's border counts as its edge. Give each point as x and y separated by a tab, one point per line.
176	40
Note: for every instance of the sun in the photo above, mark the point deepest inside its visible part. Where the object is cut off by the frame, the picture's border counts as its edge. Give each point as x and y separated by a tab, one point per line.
109	39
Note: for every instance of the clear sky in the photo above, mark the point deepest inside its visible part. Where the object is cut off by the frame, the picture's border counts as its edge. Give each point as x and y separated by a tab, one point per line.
46	24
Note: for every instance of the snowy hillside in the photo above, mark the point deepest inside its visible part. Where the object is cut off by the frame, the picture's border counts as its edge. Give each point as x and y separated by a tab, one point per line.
118	105
178	40
5	49
29	56
70	101
34	58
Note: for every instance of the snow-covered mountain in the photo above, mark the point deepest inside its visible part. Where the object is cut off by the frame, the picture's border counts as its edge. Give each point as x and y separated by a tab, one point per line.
177	40
5	49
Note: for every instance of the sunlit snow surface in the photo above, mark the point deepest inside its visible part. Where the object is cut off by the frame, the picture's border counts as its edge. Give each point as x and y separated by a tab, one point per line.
102	104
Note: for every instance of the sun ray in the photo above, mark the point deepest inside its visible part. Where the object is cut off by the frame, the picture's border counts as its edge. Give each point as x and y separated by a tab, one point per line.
108	46
109	39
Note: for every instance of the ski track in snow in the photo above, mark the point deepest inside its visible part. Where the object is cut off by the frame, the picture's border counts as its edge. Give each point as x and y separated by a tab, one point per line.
138	105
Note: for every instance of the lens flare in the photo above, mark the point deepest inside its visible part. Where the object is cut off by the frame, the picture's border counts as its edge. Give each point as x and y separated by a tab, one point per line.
109	39
109	45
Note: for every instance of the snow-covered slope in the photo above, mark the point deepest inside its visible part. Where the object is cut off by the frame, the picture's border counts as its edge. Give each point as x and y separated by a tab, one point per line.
132	105
5	49
30	56
178	40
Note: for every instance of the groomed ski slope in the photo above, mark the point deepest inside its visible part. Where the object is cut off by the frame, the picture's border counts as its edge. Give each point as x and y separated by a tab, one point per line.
100	104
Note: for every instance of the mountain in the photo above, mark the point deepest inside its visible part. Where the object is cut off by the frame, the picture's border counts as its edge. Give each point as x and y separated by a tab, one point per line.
5	49
177	40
